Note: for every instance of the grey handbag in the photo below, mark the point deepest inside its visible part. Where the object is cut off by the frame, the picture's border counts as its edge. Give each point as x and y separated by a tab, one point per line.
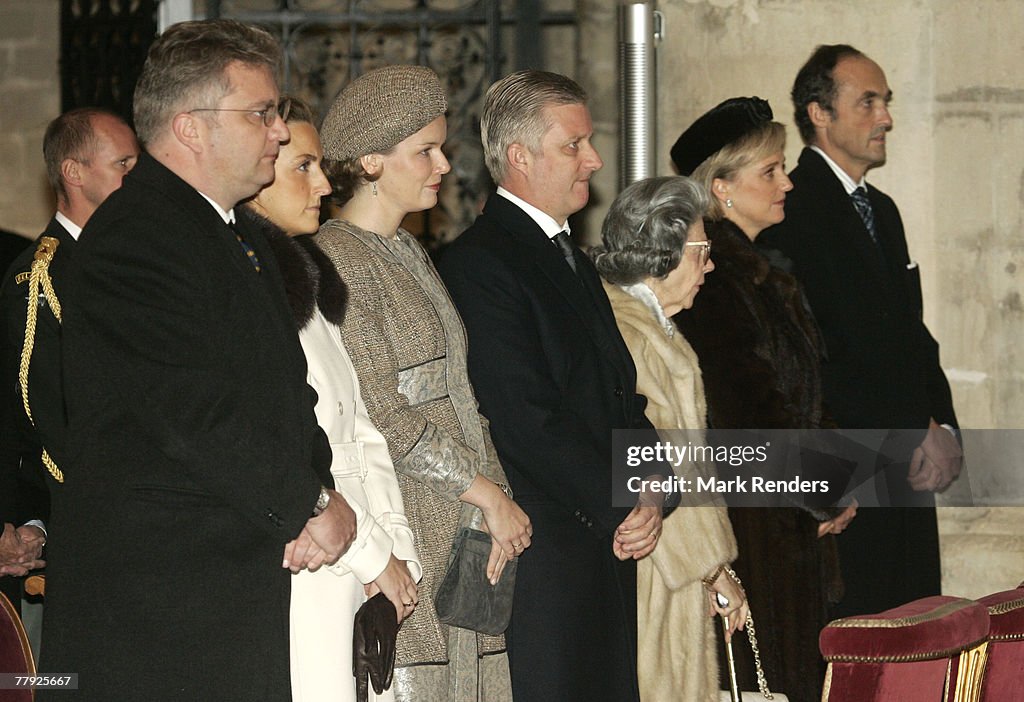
466	598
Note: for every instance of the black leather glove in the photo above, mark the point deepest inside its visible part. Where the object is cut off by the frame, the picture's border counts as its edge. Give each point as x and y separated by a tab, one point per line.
374	639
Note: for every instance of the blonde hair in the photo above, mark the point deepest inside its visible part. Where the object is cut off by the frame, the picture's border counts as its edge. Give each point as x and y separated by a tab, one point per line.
768	139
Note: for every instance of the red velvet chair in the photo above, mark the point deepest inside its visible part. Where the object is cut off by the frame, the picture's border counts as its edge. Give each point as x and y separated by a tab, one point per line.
15	652
908	654
1003	679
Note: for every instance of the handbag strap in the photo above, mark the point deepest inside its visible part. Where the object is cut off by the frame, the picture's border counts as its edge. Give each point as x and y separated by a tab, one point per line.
762	682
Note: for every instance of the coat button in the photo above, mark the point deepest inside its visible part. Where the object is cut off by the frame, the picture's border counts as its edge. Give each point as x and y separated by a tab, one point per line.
618	391
341	408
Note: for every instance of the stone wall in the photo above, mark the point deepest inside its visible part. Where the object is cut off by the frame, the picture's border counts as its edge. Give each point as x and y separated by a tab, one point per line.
29	99
956	168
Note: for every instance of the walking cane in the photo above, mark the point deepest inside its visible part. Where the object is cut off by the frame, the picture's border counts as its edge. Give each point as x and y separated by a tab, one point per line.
734	688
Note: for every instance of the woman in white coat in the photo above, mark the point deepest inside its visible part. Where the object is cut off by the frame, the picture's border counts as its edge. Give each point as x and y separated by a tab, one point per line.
382	557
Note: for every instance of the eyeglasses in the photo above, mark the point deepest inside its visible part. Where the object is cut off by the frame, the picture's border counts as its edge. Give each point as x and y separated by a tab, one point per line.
267	115
705	250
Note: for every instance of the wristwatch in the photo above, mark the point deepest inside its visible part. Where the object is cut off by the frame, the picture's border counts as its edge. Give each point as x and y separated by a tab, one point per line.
321	502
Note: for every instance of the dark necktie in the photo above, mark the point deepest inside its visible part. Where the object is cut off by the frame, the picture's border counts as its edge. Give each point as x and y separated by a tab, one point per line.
564	244
867	214
246	249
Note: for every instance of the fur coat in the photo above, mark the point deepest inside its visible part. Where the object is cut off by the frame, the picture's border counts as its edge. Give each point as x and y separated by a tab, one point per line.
676	652
760	351
752	330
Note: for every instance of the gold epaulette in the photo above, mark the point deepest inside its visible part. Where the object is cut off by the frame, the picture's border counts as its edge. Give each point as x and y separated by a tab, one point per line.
38	279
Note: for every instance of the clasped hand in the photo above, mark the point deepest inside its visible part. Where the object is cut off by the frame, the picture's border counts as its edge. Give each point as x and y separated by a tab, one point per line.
937	461
324	539
638	534
21	549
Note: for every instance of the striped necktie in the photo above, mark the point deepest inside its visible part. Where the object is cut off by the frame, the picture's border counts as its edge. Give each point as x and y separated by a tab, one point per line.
864	209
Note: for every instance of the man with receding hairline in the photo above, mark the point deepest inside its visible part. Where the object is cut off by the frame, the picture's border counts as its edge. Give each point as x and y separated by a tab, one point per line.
87	152
846	240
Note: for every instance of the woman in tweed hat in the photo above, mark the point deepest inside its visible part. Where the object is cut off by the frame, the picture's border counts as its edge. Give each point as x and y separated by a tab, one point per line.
383	138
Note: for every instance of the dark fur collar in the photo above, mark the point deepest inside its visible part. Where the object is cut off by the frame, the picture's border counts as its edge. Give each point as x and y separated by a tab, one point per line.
309	276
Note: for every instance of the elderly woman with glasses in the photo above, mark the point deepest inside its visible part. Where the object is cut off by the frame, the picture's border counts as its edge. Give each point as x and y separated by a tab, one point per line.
760	352
653	260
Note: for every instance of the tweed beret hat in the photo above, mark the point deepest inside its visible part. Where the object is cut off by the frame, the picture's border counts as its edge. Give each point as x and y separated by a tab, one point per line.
721	125
381	108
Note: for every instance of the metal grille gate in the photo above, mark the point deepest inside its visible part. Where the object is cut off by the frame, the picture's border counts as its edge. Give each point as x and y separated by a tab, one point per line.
327	43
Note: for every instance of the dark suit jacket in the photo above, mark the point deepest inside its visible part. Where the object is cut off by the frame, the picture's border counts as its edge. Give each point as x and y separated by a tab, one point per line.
190	460
45	386
23	490
882	370
554	378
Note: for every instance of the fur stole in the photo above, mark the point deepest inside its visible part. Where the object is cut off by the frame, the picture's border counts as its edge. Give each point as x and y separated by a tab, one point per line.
759	347
310	279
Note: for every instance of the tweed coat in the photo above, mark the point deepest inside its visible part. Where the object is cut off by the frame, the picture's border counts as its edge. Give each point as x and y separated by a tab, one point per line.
555	378
193	456
760	353
882	372
408	347
676	654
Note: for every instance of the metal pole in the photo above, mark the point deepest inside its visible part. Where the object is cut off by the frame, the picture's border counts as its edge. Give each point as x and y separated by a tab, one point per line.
639	32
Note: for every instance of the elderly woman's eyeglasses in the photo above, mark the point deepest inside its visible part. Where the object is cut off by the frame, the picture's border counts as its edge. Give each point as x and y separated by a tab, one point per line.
705	250
267	115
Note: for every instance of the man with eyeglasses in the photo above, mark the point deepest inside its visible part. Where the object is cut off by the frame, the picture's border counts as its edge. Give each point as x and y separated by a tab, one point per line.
194	466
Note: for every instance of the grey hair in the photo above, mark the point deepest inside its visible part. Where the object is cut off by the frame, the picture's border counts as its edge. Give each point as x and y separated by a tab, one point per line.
646	227
514	114
187	68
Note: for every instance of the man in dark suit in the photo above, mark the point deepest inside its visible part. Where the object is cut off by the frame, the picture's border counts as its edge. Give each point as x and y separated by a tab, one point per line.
846	240
194	465
87	151
554	378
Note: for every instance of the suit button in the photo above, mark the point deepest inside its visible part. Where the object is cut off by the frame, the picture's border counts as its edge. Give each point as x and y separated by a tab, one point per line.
341	408
618	391
590	523
274	518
